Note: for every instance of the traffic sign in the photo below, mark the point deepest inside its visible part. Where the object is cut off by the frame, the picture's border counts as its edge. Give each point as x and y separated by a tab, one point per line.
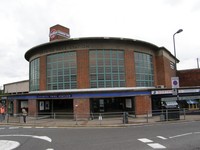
175	82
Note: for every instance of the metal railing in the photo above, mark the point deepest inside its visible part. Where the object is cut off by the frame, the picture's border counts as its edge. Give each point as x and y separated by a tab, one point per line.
99	119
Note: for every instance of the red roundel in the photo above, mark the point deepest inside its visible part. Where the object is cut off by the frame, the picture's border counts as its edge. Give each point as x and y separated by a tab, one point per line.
53	33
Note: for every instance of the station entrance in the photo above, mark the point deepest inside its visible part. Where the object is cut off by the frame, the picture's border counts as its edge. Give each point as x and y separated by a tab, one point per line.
63	105
116	104
56	105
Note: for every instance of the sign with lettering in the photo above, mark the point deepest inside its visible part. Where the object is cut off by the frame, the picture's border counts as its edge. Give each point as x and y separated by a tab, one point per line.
54	96
54	33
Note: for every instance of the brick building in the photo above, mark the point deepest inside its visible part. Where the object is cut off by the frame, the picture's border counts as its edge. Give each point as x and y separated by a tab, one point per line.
190	77
95	74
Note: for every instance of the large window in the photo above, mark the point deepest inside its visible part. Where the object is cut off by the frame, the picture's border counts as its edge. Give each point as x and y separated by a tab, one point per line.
107	68
62	71
144	70
34	74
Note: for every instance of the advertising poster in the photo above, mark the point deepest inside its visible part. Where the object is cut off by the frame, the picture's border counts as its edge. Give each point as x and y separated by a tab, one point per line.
41	105
128	103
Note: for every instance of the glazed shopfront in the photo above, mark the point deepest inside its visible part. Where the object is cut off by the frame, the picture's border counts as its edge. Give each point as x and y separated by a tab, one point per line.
188	98
82	102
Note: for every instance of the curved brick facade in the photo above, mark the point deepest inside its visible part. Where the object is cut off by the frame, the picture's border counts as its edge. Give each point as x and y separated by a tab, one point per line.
161	58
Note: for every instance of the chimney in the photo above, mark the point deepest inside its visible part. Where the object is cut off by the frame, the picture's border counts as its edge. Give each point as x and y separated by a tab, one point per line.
58	32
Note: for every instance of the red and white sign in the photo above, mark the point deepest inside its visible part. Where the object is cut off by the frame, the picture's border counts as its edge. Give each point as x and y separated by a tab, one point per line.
54	33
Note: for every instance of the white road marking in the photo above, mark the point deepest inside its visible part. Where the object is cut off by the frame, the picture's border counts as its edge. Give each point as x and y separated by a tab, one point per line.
2	128
52	127
145	140
13	127
156	146
161	137
151	144
43	138
8	145
180	135
39	127
46	138
27	127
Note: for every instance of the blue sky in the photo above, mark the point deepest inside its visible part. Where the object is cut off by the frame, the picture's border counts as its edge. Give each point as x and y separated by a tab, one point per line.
25	24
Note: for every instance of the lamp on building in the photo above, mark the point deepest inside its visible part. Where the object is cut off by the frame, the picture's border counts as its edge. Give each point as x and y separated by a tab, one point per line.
179	31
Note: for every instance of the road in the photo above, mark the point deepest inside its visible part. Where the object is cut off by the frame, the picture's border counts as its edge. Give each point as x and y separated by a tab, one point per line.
172	136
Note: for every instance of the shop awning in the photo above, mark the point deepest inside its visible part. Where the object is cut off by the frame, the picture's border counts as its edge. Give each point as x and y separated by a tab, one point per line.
192	102
171	103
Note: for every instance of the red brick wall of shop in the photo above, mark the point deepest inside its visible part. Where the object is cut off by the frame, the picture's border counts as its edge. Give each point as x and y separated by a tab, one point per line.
81	108
16	106
189	77
32	107
142	105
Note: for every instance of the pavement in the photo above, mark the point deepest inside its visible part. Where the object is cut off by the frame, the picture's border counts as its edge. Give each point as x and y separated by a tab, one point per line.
96	122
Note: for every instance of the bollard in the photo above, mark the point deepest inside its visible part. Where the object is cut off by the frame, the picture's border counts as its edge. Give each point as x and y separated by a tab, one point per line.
125	118
184	112
76	119
100	118
166	115
54	115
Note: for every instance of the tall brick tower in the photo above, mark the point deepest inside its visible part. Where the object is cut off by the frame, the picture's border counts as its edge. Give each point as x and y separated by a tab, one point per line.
58	32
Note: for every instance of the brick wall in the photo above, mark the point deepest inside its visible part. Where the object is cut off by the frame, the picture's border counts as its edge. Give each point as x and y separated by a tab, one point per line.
189	77
16	106
164	72
32	107
142	105
129	68
81	108
83	69
43	73
58	28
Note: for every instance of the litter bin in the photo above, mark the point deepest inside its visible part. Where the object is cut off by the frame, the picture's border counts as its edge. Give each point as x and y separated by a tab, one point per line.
172	114
162	117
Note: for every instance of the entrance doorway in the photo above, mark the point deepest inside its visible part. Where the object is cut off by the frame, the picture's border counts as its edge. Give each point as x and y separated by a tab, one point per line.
55	105
116	104
62	105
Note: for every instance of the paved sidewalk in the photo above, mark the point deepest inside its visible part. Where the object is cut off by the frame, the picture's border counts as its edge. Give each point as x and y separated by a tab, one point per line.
107	122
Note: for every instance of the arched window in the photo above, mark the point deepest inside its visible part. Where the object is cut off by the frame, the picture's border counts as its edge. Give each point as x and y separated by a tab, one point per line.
62	71
144	70
34	75
107	68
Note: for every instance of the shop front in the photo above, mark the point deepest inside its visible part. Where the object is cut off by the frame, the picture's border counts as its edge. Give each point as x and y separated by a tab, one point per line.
186	98
84	102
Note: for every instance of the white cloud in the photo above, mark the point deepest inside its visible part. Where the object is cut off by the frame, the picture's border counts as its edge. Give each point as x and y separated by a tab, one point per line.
25	23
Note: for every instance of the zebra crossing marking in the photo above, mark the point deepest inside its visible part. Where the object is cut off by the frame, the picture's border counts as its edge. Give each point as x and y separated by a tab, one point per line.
161	137
152	144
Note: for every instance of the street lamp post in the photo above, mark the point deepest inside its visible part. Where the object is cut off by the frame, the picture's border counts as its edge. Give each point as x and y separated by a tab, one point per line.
175	83
179	31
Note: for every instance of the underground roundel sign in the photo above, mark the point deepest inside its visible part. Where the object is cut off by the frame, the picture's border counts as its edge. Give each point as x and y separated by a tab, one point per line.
53	33
175	82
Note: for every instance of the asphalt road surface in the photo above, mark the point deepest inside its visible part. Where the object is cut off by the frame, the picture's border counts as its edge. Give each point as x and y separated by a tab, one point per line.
172	136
